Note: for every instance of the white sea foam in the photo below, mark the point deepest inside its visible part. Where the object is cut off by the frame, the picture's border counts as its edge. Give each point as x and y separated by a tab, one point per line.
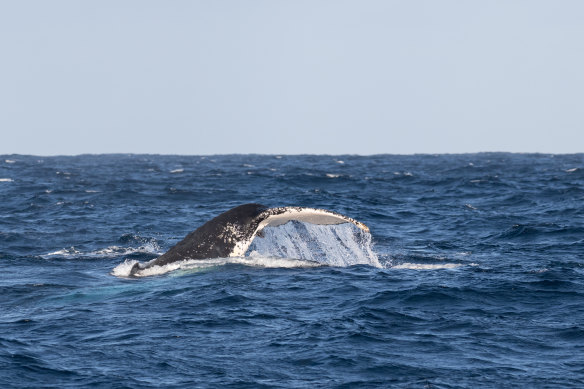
571	170
330	175
177	171
6	180
255	259
430	266
9	161
116	251
64	252
108	252
407	174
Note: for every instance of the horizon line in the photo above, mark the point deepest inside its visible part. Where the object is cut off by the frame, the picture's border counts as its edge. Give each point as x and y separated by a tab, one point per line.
293	154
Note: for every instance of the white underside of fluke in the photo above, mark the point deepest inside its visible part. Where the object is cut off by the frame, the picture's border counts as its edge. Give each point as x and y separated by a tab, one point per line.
286	214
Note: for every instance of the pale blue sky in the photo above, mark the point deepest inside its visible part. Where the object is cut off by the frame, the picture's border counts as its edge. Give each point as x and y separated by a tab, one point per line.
358	77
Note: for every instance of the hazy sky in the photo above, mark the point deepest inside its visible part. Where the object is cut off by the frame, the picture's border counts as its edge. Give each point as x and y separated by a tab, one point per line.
358	77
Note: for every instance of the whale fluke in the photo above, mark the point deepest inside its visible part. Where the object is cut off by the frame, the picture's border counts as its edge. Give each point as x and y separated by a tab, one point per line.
230	234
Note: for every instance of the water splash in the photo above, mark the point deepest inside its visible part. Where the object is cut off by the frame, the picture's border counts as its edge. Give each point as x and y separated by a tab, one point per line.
334	245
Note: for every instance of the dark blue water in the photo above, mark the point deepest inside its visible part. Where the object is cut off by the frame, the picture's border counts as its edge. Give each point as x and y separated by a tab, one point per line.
481	285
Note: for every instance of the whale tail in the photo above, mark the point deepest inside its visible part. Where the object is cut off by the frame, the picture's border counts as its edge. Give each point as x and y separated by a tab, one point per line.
134	269
231	233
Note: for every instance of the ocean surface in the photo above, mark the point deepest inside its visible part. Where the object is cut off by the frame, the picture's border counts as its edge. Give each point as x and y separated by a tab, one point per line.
473	275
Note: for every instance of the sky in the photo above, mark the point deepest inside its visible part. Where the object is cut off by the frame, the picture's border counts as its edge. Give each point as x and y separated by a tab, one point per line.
291	77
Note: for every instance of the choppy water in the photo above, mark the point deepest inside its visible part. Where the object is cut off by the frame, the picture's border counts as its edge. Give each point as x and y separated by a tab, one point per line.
479	279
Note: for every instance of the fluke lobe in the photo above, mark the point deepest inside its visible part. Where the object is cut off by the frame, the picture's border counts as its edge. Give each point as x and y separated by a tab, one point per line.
231	233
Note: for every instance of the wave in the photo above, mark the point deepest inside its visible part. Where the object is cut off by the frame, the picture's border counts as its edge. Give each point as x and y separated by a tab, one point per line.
124	268
108	252
430	266
539	230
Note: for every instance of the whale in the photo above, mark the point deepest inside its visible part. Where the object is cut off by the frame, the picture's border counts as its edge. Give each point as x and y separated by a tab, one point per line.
231	233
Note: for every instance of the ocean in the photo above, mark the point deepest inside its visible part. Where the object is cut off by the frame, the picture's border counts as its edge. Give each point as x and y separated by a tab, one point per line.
472	275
